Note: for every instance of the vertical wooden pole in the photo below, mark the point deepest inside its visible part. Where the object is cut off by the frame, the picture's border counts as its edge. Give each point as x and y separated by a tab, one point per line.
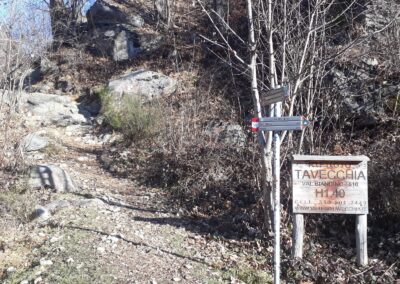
361	240
298	235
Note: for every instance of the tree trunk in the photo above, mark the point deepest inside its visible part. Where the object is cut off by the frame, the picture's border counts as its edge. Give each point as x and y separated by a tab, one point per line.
63	19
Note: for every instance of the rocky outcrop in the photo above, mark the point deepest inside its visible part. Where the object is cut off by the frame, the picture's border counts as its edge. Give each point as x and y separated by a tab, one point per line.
33	142
118	34
143	84
102	13
52	177
46	109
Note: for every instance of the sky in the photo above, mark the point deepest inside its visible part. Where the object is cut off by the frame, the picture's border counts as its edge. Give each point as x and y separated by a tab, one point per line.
29	19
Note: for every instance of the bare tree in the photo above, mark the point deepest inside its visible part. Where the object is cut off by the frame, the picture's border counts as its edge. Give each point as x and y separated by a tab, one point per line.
291	43
15	66
64	17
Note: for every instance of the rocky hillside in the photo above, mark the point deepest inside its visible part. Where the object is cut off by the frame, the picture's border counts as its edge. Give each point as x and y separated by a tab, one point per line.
127	155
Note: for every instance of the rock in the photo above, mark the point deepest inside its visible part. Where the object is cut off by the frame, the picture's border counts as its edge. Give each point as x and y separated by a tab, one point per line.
233	134
50	176
230	134
41	213
57	205
101	250
371	61
46	262
116	42
11	270
49	109
33	142
143	84
102	13
24	282
112	239
149	42
124	46
90	202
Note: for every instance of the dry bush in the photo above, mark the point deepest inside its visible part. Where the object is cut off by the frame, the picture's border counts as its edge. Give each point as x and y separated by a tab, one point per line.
133	117
20	43
207	162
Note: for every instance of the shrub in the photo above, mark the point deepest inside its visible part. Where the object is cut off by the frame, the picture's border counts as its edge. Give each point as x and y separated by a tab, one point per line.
131	116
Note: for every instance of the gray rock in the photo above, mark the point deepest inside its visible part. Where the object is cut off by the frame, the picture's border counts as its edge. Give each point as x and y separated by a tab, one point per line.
46	262
233	134
90	202
124	47
136	21
143	84
102	13
53	109
41	213
115	41
11	270
149	42
33	142
57	205
50	176
371	61
230	134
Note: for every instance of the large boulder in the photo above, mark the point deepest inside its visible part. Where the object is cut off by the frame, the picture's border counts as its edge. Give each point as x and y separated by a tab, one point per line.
52	177
102	13
47	109
143	84
114	41
124	46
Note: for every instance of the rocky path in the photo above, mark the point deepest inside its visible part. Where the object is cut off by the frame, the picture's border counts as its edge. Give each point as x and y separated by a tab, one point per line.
110	230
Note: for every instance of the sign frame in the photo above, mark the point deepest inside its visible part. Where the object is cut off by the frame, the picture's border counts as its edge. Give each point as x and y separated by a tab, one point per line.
330	185
361	219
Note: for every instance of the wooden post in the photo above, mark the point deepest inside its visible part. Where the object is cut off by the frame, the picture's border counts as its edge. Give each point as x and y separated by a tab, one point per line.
298	235
361	240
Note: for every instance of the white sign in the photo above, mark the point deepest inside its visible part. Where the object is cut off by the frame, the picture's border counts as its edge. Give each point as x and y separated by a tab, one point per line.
279	123
330	184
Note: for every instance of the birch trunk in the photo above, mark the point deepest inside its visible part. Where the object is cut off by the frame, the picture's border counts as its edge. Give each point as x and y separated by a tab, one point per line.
264	143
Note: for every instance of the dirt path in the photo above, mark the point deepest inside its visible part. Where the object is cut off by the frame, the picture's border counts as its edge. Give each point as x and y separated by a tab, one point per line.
111	231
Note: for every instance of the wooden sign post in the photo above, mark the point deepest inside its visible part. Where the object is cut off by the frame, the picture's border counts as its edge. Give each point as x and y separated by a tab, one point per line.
333	185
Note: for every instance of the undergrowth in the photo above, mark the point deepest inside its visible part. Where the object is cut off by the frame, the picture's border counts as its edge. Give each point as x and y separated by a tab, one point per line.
130	115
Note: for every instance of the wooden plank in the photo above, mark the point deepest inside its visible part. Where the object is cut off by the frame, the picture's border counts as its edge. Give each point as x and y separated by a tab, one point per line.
330	186
361	240
298	235
297	158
